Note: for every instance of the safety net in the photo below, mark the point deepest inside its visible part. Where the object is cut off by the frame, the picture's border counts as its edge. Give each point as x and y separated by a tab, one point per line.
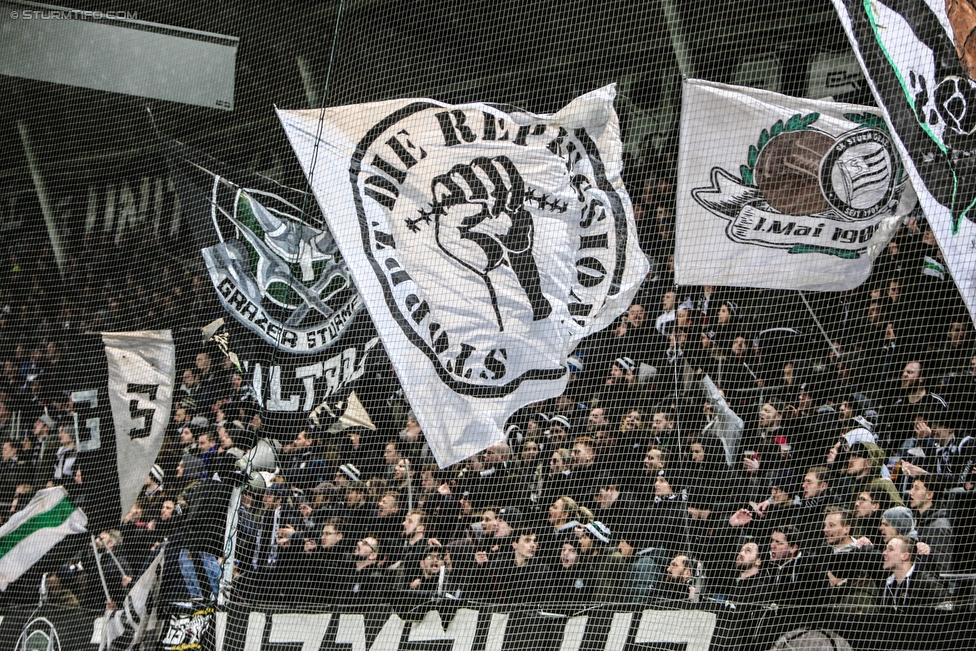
487	325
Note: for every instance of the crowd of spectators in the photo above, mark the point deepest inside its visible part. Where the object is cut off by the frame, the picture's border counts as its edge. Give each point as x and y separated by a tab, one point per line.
740	445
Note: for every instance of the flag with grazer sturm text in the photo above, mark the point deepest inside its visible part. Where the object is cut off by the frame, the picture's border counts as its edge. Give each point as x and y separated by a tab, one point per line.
295	324
31	533
486	243
919	60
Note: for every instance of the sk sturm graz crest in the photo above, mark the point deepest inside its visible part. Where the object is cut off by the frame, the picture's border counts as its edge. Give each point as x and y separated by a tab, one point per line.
281	277
488	238
810	188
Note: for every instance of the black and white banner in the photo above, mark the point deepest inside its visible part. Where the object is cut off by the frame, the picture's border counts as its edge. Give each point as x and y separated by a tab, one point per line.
608	627
468	629
486	244
122	394
782	192
296	325
919	60
126	627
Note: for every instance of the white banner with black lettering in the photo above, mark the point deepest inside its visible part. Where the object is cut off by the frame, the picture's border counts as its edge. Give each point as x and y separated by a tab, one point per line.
486	244
921	66
782	192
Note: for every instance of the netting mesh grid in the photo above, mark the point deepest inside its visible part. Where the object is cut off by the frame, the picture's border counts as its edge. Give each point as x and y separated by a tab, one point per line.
487	325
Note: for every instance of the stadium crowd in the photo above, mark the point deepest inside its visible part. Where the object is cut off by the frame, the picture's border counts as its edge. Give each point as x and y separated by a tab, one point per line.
714	442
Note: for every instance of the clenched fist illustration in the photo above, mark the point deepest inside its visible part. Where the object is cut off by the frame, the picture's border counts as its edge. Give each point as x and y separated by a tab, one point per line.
481	221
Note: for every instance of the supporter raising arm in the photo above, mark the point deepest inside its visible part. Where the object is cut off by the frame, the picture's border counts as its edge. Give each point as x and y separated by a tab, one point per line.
933	523
722	421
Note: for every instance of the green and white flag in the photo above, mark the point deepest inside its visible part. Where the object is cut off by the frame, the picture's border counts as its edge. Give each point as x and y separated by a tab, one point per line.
30	534
783	192
917	57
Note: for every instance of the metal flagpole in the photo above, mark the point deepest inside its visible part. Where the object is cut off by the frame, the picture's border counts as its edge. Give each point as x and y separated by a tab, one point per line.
116	560
42	196
406	462
101	572
230	539
817	321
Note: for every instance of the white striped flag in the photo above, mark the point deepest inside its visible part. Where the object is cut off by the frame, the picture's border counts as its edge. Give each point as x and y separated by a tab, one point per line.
917	57
137	616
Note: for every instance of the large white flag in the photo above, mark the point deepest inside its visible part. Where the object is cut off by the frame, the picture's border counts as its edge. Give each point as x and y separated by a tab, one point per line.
782	192
485	243
31	533
920	62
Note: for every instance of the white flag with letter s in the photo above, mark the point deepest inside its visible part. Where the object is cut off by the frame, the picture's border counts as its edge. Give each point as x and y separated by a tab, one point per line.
141	371
486	244
122	396
783	192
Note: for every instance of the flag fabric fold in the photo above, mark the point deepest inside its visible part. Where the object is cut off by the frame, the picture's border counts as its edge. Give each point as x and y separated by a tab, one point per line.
919	63
486	243
782	192
141	381
138	614
122	396
31	533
